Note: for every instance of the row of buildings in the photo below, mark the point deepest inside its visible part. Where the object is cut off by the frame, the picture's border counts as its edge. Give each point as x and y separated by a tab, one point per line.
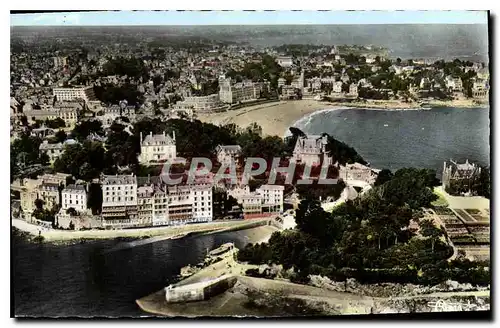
230	93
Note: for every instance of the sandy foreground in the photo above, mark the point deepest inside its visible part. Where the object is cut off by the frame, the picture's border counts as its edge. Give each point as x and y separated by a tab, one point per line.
275	118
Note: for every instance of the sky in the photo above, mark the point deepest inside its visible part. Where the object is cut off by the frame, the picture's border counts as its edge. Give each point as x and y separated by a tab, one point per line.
248	18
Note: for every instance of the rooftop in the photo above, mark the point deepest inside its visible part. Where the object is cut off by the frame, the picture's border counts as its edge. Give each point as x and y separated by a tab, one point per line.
158	139
74	188
118	179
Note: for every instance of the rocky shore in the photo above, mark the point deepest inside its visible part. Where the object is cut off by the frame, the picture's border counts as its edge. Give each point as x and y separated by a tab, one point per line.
269	293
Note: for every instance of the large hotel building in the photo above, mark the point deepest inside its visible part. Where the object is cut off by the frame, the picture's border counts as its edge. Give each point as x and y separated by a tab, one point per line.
67	94
230	93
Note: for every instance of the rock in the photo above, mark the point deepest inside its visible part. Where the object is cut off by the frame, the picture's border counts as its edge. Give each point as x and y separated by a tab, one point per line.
263	268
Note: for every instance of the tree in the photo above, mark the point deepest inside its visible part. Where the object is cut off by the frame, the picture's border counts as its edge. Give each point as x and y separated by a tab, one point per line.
383	176
60	136
428	229
39	204
83	129
94	200
55	123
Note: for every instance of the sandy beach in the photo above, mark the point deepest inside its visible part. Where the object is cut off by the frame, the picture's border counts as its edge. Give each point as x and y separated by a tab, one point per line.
275	118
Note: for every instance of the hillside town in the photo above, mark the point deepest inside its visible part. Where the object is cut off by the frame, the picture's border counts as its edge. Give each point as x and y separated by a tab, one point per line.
249	170
77	99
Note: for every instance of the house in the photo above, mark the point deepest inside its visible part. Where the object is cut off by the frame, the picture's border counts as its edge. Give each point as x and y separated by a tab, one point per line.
49	194
353	89
358	172
157	148
337	87
453	83
74	196
53	151
480	88
289	92
228	154
459	179
311	150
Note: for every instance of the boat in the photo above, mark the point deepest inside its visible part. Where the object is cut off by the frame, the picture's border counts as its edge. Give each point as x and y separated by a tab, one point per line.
386	124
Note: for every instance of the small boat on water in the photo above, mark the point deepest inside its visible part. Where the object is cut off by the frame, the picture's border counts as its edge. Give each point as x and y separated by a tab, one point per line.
386	124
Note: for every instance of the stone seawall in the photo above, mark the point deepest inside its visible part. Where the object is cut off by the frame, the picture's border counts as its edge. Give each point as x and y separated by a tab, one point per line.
199	291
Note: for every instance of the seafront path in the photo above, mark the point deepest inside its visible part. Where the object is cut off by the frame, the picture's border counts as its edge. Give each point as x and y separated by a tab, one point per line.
168	232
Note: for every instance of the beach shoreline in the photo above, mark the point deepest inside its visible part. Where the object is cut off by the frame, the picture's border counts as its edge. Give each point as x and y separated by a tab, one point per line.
276	118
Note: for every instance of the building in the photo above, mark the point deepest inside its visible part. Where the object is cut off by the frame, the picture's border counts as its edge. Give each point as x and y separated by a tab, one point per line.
228	154
230	93
119	200
281	82
238	191
358	172
289	92
285	61
109	115
157	148
311	150
251	205
49	194
353	89
298	82
265	200
74	196
69	116
60	62
34	115
337	87
68	94
53	151
28	192
459	179
454	84
480	89
181	204
145	202
205	104
272	198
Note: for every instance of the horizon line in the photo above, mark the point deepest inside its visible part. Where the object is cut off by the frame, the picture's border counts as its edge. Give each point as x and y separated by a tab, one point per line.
262	18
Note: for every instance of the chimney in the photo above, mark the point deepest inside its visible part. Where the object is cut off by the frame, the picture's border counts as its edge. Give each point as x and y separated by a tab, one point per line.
140	134
163	133
173	134
151	133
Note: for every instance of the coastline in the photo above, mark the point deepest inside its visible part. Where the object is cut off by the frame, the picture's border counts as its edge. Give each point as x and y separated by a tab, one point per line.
301	299
276	118
146	235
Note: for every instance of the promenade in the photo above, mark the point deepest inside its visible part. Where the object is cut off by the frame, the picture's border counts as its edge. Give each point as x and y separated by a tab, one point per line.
168	232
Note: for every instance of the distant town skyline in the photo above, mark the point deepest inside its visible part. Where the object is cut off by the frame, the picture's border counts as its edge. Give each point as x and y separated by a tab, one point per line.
110	18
